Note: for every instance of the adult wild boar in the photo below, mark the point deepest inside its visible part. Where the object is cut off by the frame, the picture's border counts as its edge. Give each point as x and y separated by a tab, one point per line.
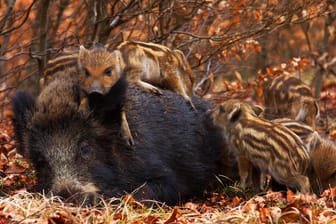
176	151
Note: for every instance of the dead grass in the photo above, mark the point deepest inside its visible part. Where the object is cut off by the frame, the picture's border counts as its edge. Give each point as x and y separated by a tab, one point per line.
272	207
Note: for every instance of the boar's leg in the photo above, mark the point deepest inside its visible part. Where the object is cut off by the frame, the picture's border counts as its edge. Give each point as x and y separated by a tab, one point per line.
156	189
150	192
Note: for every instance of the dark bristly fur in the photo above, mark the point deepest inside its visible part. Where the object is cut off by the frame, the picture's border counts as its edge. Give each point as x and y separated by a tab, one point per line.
176	152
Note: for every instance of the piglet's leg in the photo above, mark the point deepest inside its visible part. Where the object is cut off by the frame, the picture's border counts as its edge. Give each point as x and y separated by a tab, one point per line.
83	105
125	130
149	87
264	180
244	166
174	83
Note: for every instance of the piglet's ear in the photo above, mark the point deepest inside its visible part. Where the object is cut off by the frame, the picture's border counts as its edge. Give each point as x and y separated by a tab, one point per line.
120	64
317	108
235	113
314	139
258	110
83	52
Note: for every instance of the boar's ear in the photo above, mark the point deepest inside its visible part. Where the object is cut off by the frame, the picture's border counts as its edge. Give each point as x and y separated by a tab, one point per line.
258	110
234	113
22	103
22	106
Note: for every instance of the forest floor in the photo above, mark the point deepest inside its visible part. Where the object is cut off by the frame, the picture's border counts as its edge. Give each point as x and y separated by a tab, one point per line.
228	205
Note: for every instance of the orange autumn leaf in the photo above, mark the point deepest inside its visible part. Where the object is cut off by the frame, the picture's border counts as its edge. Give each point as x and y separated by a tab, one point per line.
117	216
152	219
236	201
173	216
265	213
308	212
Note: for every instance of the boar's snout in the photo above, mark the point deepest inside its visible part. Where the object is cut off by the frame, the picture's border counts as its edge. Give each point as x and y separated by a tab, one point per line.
74	192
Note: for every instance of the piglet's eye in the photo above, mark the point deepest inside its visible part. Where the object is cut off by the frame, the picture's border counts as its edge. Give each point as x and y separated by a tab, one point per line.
86	72
85	150
108	71
222	109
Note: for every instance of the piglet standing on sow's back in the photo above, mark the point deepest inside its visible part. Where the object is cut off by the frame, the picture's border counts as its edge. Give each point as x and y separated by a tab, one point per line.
78	157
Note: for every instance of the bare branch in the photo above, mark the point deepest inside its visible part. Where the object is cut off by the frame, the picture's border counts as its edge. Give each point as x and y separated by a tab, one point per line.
56	24
43	29
7	14
23	21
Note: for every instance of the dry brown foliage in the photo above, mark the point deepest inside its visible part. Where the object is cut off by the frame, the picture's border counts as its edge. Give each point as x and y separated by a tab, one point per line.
231	45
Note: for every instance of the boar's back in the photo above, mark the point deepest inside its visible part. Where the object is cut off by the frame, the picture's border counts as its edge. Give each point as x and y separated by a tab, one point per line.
177	149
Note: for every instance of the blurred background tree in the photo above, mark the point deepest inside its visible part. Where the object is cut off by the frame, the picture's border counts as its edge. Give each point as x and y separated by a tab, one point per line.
224	41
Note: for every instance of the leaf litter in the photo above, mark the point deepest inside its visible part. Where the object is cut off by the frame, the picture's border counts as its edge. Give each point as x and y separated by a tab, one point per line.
18	205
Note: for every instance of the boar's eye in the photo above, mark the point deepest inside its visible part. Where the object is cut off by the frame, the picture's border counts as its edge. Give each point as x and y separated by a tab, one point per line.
222	109
85	150
108	71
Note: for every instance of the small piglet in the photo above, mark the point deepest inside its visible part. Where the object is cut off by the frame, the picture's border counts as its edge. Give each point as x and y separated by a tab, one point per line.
322	152
271	147
288	96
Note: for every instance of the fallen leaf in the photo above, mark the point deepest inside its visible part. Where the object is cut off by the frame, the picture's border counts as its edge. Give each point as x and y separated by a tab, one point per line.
236	201
173	216
4	220
265	214
15	169
307	211
117	216
150	219
290	196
